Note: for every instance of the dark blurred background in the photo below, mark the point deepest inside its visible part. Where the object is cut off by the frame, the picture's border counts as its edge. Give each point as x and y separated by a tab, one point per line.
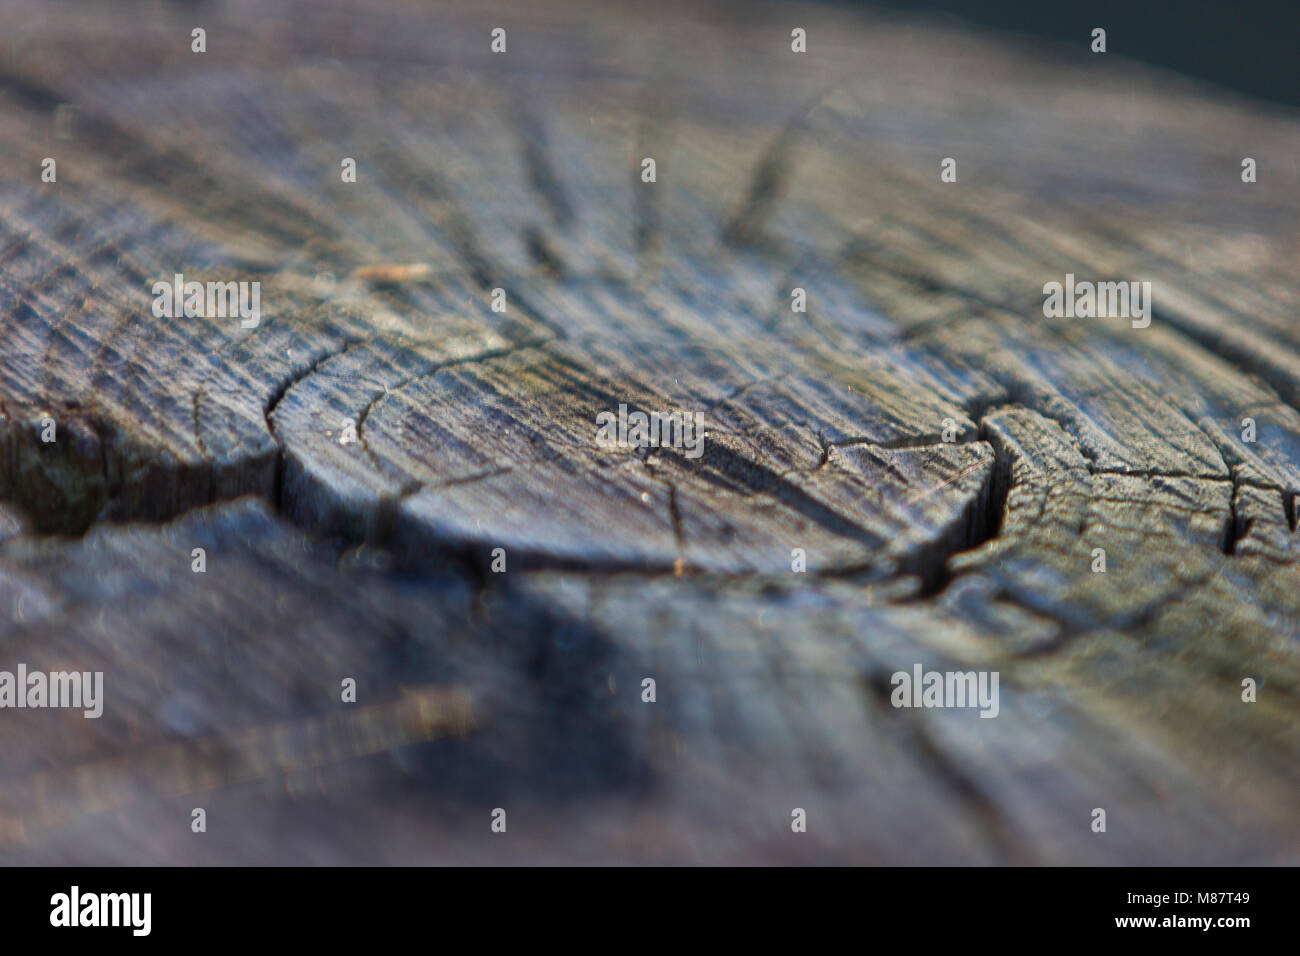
1251	47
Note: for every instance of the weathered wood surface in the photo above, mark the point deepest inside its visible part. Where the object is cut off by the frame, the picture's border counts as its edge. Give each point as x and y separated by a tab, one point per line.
476	430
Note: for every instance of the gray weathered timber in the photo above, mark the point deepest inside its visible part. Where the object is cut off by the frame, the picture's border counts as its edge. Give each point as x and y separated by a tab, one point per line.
330	558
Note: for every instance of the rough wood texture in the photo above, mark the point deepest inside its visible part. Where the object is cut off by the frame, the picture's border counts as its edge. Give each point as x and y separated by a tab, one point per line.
330	558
